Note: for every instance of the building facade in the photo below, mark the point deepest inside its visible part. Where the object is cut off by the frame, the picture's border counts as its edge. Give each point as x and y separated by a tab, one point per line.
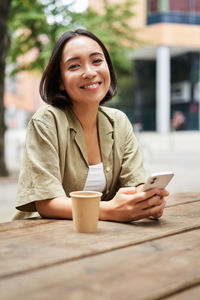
21	99
167	66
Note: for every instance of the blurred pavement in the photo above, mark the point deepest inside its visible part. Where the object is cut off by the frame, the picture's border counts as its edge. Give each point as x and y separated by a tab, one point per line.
176	151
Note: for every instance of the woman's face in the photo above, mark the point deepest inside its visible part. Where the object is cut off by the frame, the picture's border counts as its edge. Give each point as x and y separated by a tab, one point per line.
84	71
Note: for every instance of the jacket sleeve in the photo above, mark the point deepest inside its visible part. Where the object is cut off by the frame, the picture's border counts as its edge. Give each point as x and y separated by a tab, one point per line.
40	176
132	171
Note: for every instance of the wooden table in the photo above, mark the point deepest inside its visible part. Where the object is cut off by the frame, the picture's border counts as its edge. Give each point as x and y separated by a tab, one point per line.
45	259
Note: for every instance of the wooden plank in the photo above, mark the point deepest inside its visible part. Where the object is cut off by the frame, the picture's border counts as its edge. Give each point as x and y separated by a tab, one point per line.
151	270
30	248
20	224
181	198
192	293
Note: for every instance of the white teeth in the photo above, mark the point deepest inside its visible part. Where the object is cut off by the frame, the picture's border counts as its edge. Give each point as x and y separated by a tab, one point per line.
91	86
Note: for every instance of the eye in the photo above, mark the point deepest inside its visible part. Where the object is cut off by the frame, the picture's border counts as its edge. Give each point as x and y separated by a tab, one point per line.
73	67
97	61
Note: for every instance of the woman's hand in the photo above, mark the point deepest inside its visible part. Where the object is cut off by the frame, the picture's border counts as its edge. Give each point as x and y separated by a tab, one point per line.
164	193
131	204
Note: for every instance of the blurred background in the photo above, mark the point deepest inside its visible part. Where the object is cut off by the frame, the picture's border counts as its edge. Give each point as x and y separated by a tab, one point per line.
155	48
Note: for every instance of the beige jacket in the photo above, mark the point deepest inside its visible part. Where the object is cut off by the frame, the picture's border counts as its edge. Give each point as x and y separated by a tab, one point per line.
55	157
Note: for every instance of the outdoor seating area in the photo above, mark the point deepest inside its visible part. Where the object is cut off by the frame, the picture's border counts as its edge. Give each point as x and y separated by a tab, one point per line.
100	150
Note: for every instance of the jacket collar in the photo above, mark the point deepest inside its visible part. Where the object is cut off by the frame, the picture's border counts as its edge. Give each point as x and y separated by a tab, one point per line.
106	128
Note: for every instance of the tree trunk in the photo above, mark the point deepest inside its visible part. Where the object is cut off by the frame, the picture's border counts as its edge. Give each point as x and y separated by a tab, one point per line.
4	42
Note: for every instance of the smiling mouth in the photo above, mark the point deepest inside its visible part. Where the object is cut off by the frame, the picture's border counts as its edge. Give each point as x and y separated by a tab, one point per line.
91	86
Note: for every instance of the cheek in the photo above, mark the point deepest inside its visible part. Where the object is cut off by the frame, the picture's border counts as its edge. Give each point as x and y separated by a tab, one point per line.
68	81
106	74
109	80
66	77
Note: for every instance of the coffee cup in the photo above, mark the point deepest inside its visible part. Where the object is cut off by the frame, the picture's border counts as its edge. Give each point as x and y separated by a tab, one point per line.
85	210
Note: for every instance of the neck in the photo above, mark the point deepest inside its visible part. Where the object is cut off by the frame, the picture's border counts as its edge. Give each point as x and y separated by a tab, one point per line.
87	115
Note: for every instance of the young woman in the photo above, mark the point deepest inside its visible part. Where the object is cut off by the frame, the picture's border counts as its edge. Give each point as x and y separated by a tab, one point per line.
74	143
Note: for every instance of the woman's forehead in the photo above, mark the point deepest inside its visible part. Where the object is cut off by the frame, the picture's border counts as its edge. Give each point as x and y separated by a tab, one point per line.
80	44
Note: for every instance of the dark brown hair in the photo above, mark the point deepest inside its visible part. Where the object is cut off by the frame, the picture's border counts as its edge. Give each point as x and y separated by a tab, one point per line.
50	82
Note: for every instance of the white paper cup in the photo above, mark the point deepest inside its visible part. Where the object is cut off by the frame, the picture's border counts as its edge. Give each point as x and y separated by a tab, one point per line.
85	210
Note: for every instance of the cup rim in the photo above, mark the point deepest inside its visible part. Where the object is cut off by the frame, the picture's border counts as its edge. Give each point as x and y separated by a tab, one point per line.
85	194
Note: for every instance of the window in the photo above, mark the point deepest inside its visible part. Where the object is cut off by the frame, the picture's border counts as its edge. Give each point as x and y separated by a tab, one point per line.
180	5
197	6
152	6
173	11
190	6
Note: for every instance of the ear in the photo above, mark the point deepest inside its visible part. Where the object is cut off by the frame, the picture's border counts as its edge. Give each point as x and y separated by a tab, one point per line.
61	86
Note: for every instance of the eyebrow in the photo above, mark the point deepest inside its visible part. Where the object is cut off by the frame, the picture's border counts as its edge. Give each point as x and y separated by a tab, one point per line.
78	57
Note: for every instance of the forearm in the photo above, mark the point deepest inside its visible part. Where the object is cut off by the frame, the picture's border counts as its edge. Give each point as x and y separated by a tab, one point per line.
127	205
59	207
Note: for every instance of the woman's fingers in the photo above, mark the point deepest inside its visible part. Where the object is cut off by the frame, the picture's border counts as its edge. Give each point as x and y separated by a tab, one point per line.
153	201
143	196
155	211
159	214
140	200
164	193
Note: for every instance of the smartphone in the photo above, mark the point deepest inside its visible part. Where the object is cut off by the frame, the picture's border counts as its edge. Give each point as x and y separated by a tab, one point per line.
158	180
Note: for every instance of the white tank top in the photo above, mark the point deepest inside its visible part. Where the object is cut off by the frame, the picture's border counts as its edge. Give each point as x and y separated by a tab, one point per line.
96	180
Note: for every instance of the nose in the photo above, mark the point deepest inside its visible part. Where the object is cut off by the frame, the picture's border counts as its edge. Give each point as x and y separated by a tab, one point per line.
88	72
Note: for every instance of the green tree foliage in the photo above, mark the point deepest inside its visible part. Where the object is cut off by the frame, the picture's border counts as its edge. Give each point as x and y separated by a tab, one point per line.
31	28
37	24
